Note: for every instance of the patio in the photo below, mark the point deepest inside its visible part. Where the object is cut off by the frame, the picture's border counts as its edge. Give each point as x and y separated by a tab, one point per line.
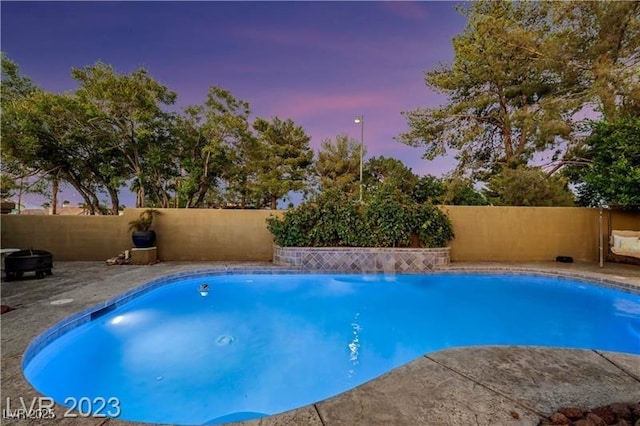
478	385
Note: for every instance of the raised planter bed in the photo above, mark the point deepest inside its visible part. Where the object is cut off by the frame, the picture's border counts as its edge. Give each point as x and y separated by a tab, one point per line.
38	261
362	259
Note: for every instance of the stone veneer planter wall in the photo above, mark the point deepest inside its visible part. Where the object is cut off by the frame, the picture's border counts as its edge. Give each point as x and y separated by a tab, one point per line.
362	259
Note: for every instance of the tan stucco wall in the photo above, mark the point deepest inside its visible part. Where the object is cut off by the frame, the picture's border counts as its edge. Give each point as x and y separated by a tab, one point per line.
210	234
482	233
511	234
621	220
67	237
183	234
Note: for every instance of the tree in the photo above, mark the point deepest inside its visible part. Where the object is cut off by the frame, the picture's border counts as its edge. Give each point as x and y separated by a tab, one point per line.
595	48
129	107
8	187
227	151
51	138
521	71
452	190
528	186
611	170
217	154
429	189
501	109
52	135
338	164
388	171
14	84
160	163
461	192
15	177
284	160
200	159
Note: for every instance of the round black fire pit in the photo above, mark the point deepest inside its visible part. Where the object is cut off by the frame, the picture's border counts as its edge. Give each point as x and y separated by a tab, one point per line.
19	262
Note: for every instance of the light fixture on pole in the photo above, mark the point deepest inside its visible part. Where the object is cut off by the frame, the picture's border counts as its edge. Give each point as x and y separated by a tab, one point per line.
361	121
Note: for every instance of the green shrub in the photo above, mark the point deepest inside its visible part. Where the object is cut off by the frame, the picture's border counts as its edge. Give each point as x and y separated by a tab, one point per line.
432	226
389	218
339	222
293	230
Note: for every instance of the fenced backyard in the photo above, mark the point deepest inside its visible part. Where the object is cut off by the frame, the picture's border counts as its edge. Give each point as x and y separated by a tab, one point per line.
500	234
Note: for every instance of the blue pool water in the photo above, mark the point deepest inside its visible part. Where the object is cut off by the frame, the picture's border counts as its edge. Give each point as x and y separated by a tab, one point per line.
263	344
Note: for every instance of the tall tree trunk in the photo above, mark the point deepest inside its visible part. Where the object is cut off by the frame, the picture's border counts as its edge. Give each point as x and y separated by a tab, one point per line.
203	185
95	202
274	202
115	202
54	195
20	195
83	193
177	192
505	125
202	192
140	196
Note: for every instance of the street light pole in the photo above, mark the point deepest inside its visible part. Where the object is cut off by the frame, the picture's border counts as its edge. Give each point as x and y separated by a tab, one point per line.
361	121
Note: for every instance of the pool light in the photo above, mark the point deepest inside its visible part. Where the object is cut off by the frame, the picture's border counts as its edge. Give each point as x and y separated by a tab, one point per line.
204	290
117	320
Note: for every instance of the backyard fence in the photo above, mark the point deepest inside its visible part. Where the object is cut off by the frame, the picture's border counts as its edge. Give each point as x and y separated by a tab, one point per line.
506	234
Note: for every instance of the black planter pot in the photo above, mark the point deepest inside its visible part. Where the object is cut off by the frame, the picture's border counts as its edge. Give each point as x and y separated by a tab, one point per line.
143	239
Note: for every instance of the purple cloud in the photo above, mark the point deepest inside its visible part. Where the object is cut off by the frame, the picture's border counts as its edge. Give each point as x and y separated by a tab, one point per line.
406	9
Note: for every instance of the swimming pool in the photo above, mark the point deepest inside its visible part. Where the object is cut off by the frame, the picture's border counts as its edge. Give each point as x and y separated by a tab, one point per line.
257	344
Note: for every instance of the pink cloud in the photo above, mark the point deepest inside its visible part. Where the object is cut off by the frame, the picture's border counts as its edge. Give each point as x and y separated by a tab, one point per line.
406	9
326	40
293	37
303	105
273	35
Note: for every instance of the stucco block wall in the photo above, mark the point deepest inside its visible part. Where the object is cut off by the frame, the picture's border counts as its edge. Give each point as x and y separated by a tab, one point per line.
621	220
183	234
511	234
517	234
208	234
67	237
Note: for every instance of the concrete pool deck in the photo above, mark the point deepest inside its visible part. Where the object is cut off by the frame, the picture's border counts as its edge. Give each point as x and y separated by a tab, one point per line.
477	385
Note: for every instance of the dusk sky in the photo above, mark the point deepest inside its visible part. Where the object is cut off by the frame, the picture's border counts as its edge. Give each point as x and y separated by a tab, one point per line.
319	63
